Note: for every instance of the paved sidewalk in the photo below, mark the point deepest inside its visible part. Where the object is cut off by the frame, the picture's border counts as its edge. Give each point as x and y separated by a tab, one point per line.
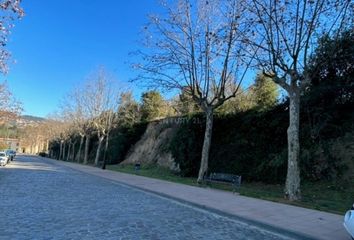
306	222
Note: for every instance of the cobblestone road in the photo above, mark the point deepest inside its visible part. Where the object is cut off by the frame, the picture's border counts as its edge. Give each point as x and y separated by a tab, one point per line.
41	200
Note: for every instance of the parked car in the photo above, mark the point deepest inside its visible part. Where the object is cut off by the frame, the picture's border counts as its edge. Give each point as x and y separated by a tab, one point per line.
3	159
11	154
8	155
349	221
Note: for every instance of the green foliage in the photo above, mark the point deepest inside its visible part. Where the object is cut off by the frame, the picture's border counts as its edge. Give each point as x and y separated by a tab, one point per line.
153	106
186	145
122	139
332	159
238	145
265	92
329	100
185	105
128	111
328	106
331	71
242	102
262	95
253	144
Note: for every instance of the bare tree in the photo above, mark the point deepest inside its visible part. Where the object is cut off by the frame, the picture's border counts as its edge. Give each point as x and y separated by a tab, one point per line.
197	49
69	143
109	121
286	32
10	11
65	137
35	137
52	128
87	141
101	102
10	107
74	108
55	126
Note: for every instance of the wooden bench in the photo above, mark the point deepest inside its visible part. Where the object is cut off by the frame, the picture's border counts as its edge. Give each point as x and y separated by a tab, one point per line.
234	180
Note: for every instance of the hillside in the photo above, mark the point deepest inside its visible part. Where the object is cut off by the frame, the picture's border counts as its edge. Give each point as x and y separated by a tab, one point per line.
32	118
27	120
153	145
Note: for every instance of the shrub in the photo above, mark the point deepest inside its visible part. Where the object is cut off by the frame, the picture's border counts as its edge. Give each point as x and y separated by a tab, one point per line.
122	139
186	146
254	145
42	154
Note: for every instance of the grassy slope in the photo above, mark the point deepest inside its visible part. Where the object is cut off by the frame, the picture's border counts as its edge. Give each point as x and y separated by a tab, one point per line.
320	196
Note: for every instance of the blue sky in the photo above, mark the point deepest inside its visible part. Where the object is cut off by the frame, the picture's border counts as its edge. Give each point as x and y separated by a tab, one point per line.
58	43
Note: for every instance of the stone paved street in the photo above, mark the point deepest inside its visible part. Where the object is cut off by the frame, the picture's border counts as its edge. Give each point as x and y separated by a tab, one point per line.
42	200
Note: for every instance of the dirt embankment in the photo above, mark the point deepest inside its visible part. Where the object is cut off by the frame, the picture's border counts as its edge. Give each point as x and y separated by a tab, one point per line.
152	148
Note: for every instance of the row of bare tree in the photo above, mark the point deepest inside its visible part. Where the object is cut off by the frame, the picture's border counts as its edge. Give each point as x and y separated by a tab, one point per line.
89	109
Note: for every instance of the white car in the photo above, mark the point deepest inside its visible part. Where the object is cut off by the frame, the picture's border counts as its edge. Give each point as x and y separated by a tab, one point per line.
3	159
349	221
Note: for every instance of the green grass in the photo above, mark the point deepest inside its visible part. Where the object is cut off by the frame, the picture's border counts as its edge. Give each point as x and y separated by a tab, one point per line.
322	196
154	172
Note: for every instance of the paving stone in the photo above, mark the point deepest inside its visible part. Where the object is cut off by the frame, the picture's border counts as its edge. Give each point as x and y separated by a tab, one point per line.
41	200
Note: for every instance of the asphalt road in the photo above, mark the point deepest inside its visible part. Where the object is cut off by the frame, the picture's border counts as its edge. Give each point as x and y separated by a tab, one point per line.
42	200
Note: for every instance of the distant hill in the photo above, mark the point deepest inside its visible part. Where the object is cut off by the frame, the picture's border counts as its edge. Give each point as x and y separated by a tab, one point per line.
28	120
32	118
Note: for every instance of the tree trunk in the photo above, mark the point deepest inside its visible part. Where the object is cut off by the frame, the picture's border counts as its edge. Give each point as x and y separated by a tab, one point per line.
78	154
87	144
73	151
292	185
206	145
68	154
105	152
60	150
100	140
63	154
